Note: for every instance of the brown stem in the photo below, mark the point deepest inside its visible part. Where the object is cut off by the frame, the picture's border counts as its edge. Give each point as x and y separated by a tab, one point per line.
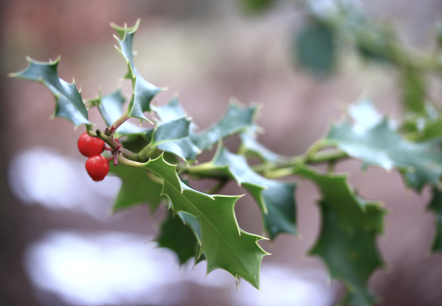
113	144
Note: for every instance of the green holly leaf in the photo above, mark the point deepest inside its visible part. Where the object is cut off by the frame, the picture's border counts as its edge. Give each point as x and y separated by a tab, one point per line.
193	223
413	90
255	6
436	206
69	103
237	119
111	108
353	211
347	241
351	257
172	110
223	243
136	142
142	91
364	115
420	163
275	199
137	188
315	47
425	129
178	237
251	146
174	137
423	126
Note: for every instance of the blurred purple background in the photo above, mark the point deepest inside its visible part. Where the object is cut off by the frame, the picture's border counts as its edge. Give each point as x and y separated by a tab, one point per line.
58	244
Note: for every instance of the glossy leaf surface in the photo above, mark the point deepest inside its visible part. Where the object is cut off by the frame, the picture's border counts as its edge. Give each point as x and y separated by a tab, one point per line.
223	243
136	188
174	137
275	199
420	163
69	102
142	91
237	119
178	237
347	241
172	110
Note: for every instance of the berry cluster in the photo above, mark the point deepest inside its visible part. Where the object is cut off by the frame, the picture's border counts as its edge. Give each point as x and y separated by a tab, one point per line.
97	166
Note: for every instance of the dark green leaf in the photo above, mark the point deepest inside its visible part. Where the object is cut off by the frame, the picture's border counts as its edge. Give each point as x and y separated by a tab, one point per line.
275	199
69	103
436	206
178	237
351	257
353	212
142	91
173	136
223	243
137	188
237	119
192	222
413	90
347	241
111	108
256	6
315	47
420	163
135	143
422	126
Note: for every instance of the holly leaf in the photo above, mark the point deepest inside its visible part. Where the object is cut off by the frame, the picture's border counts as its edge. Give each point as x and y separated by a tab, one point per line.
174	137
136	188
178	237
413	90
315	47
111	108
364	114
275	199
223	243
193	223
142	91
436	206
136	142
423	126
347	240
172	110
351	257
256	6
237	119
353	212
69	104
251	146
420	163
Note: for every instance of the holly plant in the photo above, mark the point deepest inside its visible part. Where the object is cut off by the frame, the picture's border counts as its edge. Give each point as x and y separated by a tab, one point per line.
155	165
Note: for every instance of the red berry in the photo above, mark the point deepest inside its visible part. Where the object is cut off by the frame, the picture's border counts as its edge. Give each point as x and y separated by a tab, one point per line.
90	146
97	167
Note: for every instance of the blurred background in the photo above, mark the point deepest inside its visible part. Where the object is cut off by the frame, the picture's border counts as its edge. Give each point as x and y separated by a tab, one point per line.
58	243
